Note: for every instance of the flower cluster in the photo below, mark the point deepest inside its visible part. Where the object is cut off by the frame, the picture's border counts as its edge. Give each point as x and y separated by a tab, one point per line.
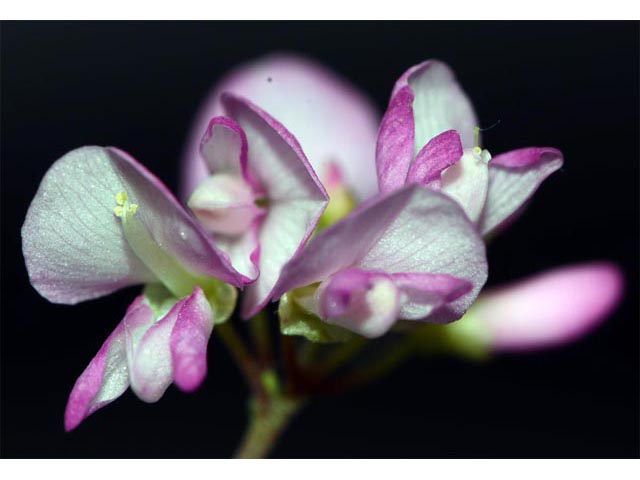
294	190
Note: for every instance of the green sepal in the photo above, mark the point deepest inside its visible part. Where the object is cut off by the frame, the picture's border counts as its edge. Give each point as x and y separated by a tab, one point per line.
341	203
296	320
222	297
159	299
456	338
467	337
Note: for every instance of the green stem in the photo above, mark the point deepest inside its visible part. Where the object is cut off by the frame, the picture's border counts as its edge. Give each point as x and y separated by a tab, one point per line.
290	360
267	423
261	336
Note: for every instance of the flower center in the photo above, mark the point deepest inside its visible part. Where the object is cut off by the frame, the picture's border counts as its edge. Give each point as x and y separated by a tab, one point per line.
225	204
341	199
467	181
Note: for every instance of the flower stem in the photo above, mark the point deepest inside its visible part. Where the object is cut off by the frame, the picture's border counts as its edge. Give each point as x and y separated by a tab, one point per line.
290	360
261	336
267	422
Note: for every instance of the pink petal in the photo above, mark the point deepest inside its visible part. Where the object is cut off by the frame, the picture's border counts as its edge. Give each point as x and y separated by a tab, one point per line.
295	196
106	377
74	245
513	179
224	146
149	355
412	230
224	149
441	152
439	103
189	340
225	202
174	346
395	147
314	103
363	302
274	154
423	293
549	309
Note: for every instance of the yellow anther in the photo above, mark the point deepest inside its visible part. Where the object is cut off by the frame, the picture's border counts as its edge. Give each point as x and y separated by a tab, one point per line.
121	198
124	209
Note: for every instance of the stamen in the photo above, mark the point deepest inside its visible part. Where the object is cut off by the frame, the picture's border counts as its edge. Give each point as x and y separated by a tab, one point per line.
123	209
121	198
476	141
262	202
167	269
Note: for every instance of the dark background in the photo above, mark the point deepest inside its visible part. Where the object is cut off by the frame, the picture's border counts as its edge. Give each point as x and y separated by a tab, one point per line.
137	85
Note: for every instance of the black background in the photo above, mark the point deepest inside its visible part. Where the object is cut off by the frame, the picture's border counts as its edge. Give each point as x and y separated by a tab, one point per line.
573	86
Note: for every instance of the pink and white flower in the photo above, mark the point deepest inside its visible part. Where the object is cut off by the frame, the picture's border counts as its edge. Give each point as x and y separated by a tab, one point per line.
429	136
262	199
335	123
147	351
101	222
410	255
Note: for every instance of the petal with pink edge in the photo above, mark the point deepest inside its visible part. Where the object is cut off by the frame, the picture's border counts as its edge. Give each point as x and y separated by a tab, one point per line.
224	150
395	147
363	302
439	103
224	147
422	293
149	356
295	196
552	308
412	230
513	178
74	245
107	376
274	154
314	103
151	352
